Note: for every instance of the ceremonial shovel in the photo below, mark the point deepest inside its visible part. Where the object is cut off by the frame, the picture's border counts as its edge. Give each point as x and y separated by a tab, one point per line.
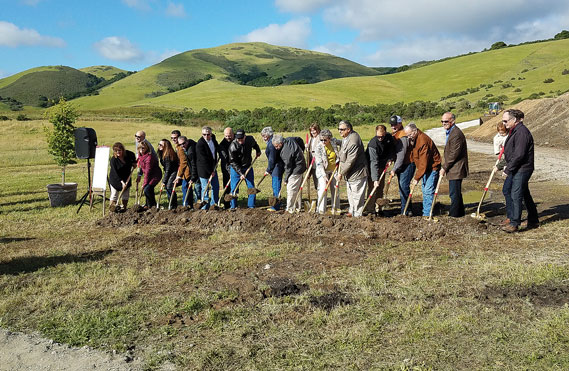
326	189
255	190
231	196
435	198
477	214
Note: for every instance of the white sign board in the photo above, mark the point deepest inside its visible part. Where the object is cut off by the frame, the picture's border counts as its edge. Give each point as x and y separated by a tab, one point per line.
101	167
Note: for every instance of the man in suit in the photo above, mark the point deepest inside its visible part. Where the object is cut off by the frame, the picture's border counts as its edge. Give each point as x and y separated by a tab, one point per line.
207	151
455	166
353	167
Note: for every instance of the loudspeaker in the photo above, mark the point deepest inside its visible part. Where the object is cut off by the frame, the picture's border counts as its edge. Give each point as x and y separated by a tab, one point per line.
85	142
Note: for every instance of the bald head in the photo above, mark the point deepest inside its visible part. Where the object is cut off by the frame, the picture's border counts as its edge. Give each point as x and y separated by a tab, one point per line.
140	136
228	134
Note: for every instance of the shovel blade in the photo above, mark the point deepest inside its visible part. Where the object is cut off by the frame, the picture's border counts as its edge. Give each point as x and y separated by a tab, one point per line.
382	202
228	197
253	191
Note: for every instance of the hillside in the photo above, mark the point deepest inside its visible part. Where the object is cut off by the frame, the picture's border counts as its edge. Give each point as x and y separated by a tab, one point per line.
105	72
505	74
35	87
547	119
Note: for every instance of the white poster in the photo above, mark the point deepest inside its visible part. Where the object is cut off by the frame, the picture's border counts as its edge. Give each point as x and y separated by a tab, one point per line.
101	167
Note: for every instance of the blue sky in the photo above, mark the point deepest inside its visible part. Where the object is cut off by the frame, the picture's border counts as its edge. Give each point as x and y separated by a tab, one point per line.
134	34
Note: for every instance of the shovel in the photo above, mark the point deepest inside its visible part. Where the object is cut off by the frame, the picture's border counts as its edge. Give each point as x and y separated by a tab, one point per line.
224	194
303	183
119	199
409	198
159	196
375	187
477	214
435	198
190	184
334	210
255	190
326	188
385	201
275	200
233	195
172	195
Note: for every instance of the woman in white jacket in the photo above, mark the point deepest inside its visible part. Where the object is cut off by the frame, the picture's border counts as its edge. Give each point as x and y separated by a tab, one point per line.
325	160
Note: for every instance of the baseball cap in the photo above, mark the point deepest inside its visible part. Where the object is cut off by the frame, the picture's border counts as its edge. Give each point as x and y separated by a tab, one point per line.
240	133
394	120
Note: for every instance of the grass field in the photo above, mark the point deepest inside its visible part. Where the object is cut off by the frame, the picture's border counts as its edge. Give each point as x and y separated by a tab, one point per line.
523	67
202	297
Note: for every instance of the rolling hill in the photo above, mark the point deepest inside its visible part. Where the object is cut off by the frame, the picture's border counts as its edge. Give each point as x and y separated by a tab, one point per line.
105	72
505	74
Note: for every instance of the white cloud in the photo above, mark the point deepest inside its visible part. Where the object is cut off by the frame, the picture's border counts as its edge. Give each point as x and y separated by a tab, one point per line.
292	33
338	49
138	4
301	6
384	19
398	54
13	36
175	10
119	49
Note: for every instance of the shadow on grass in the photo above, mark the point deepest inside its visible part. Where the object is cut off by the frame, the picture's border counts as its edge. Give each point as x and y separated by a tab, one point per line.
30	264
20	193
15	239
42	199
554	213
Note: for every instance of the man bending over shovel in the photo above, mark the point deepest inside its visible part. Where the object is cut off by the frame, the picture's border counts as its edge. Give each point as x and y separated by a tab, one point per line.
294	165
240	157
275	166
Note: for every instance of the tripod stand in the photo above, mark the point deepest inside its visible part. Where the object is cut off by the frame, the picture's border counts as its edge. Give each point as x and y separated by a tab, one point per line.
88	193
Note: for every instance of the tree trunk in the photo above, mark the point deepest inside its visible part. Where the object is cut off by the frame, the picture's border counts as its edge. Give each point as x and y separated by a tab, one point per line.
63	175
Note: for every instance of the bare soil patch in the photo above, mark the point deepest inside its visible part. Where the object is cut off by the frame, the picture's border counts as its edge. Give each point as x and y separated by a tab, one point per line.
539	295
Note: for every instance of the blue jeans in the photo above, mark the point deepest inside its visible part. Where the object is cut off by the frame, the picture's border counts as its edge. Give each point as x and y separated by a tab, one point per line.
428	187
210	201
515	190
250	184
149	194
198	190
456	202
190	200
404	178
277	183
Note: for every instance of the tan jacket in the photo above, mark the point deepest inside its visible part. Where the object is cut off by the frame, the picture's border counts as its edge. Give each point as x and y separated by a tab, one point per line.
184	167
353	164
456	155
425	155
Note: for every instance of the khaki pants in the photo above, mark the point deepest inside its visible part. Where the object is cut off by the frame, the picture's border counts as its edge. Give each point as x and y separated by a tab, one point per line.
356	195
292	188
334	195
371	205
115	194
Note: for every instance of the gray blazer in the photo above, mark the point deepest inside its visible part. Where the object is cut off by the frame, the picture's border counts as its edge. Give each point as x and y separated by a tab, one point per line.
353	164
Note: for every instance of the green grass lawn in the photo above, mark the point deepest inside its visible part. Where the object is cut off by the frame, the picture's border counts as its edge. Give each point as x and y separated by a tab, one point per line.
194	297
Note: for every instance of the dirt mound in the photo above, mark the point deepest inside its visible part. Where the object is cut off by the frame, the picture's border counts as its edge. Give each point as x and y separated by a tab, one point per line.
279	287
547	119
331	300
302	225
541	295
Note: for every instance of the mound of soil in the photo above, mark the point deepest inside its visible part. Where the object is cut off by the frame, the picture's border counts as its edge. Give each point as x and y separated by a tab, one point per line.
398	228
541	295
547	119
331	300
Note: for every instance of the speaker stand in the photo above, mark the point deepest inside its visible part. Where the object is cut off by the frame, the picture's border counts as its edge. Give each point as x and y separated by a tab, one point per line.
88	193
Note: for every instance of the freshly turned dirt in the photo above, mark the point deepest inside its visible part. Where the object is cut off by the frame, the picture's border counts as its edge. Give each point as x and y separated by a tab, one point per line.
540	295
398	228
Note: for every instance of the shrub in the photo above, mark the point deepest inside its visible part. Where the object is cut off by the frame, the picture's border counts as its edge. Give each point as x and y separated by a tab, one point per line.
548	81
4	118
507	85
517	90
498	45
565	72
22	117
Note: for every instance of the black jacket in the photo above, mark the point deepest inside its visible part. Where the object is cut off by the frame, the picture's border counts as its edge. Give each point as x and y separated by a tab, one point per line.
378	152
205	160
224	155
240	155
191	156
121	171
518	150
170	167
275	165
293	158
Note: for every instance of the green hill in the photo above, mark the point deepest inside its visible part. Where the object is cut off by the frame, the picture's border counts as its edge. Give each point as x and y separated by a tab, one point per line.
35	87
105	72
507	74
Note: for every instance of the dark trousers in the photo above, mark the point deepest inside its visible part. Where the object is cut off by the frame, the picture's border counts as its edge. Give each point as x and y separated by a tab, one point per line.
456	202
149	193
227	190
516	190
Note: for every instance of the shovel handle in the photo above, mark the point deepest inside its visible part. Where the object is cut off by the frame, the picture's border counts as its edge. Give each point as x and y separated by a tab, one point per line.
489	181
327	185
409	198
190	184
241	179
435	196
303	181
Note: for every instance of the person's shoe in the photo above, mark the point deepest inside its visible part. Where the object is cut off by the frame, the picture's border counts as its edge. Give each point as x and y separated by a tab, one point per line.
505	221
271	209
216	208
510	228
233	209
349	215
527	225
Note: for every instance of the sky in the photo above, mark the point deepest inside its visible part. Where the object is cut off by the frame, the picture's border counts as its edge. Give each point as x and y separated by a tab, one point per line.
135	34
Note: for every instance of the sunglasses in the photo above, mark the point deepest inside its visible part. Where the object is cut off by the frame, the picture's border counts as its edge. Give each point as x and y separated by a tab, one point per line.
137	136
342	129
323	140
506	121
445	121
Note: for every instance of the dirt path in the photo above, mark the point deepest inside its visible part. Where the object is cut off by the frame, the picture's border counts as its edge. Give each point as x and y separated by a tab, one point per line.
550	164
31	352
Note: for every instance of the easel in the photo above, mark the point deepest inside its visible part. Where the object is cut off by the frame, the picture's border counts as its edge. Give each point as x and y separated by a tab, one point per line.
88	193
98	187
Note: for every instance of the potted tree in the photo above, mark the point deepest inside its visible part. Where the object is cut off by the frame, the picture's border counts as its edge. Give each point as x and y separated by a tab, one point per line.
61	145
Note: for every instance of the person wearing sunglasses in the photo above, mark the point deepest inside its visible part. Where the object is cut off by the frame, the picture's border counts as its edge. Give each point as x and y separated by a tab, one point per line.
207	154
455	166
519	153
353	167
325	160
380	150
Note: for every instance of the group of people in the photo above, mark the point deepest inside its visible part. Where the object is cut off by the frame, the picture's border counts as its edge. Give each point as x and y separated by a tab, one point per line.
328	161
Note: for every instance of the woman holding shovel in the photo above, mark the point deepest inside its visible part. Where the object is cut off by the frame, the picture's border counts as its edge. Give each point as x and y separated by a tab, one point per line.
325	161
122	163
170	163
148	163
